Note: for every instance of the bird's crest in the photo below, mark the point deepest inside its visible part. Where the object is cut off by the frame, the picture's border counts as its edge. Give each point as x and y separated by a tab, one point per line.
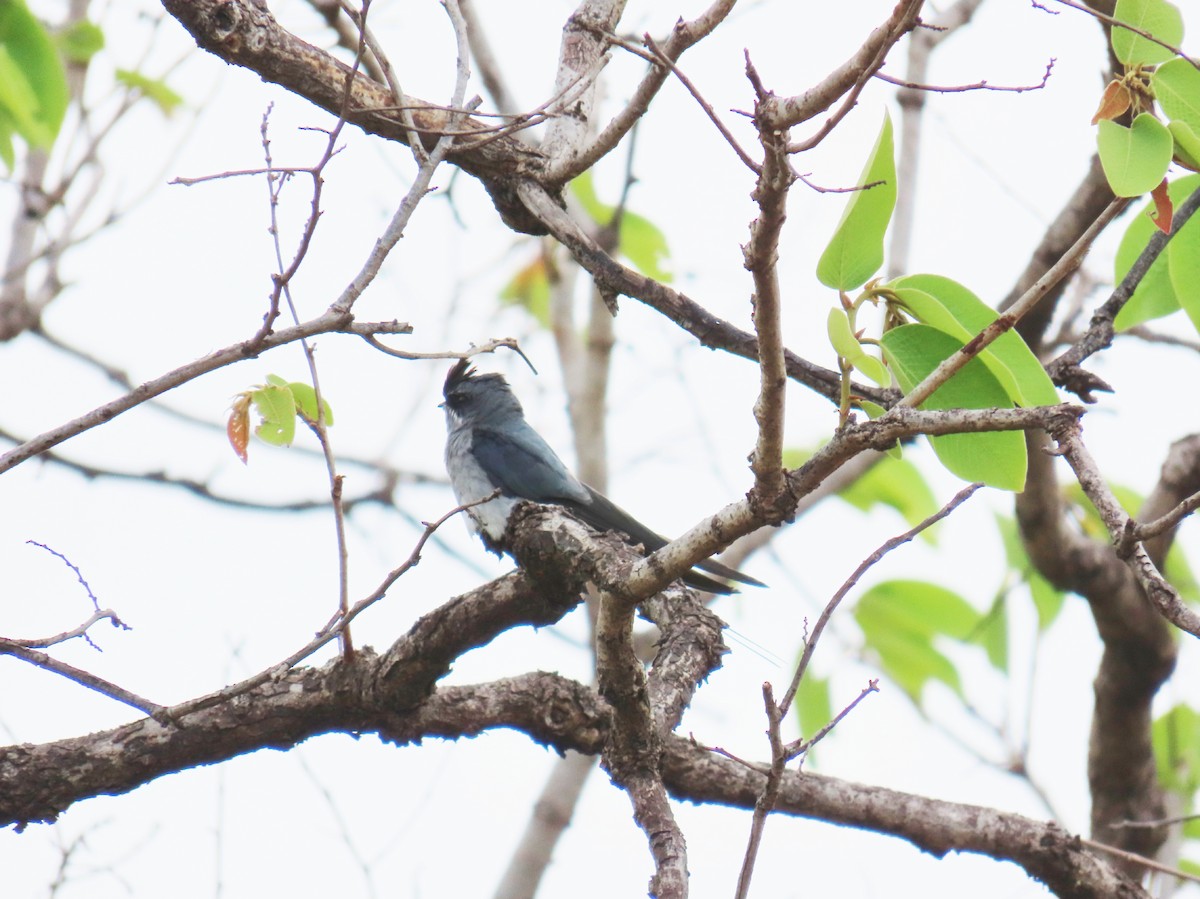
459	374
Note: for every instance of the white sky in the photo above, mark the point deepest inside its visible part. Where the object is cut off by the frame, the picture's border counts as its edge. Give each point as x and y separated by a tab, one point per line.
214	595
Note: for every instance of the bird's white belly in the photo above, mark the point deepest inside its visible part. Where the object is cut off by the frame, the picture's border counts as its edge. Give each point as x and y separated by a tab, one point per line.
472	484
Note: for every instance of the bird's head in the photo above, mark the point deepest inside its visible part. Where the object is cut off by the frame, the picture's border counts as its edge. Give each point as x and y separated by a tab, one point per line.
472	398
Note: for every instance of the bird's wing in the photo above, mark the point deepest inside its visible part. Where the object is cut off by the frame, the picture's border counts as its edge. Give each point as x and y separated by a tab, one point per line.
523	465
605	515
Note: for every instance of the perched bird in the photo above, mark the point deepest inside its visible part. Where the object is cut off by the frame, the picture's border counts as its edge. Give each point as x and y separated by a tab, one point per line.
490	446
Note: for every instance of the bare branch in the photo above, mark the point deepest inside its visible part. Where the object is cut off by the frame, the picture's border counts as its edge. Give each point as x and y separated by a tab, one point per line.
964	88
79	676
683	36
485	60
1045	851
1157	589
328	323
661	57
784	112
761	257
1065	370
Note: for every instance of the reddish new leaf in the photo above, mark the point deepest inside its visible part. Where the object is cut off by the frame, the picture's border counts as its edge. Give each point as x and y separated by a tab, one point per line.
238	426
1164	212
1114	102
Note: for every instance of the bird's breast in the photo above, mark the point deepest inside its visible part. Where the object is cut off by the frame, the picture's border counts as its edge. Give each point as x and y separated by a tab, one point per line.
471	484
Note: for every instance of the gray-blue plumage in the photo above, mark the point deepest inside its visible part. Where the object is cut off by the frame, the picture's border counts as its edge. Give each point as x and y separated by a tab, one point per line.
491	446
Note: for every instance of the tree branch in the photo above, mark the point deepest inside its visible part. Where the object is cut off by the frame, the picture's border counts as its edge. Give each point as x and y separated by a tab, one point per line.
329	322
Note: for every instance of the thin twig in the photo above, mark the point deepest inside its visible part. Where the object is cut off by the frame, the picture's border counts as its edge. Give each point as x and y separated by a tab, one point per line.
803	746
1157	589
1065	370
329	322
1069	261
683	36
78	631
75	568
781	754
1139	859
870	561
1166	522
485	60
963	88
704	104
333	627
283	281
81	677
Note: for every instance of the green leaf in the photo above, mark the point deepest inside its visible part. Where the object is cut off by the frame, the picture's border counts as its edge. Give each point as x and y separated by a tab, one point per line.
306	403
645	245
899	620
846	345
1187	144
1135	159
640	240
33	83
997	458
1183	270
872	368
7	152
897	484
1047	600
1033	386
529	288
841	335
19	102
1176	740
856	251
1156	17
1177	570
584	189
794	457
929	311
918	607
276	407
80	41
1177	88
1155	295
992	635
153	89
814	709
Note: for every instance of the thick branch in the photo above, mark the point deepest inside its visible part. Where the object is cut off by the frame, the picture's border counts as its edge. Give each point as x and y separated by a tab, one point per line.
1139	654
1045	851
388	694
762	260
